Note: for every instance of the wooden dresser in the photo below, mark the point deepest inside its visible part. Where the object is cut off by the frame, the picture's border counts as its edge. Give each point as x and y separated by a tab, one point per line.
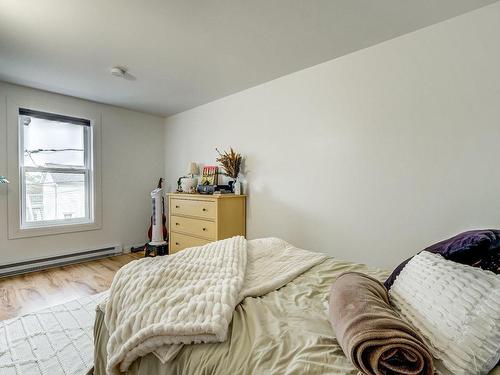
197	219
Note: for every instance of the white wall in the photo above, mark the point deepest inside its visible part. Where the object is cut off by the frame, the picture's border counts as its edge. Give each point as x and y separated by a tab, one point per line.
132	161
372	156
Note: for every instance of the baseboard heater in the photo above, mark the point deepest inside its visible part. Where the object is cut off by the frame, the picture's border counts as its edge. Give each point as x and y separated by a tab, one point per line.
57	261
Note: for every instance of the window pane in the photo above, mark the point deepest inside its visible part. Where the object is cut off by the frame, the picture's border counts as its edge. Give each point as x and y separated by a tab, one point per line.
55	196
53	143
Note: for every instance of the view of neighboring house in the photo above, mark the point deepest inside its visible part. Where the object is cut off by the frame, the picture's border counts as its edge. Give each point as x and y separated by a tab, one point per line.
54	196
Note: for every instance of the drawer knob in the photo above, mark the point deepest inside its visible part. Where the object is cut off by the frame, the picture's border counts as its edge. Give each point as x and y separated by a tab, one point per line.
177	243
177	206
177	224
204	229
204	210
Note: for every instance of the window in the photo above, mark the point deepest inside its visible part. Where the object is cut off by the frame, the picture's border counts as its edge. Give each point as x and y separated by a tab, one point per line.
55	162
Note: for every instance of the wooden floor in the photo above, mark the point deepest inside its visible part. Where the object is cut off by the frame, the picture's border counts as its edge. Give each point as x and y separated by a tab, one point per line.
33	291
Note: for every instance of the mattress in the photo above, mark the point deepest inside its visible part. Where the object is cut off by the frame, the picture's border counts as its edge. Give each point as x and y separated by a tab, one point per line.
284	332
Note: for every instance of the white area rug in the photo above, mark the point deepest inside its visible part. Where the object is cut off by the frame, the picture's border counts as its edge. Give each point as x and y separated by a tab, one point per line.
53	341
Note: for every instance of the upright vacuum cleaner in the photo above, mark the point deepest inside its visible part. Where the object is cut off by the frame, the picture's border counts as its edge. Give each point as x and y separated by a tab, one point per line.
157	233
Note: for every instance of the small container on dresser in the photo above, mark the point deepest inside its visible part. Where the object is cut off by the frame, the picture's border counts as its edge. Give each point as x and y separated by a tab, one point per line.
197	219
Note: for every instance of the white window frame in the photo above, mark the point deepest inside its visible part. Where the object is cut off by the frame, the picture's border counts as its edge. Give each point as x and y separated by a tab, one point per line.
17	226
86	171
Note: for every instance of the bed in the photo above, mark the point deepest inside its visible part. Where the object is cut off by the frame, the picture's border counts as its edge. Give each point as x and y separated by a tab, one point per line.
283	332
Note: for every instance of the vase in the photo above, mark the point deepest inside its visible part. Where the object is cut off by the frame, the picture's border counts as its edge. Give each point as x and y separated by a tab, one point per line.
237	187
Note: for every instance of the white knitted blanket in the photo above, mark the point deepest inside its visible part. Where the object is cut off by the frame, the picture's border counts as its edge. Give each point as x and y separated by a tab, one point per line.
190	297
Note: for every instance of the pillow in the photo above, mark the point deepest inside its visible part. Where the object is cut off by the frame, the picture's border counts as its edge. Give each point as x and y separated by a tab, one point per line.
456	309
467	247
478	248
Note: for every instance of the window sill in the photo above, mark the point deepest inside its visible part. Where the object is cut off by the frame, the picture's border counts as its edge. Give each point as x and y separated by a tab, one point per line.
51	230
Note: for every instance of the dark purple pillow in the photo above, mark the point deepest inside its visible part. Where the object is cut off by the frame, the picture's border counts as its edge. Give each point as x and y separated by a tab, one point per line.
478	248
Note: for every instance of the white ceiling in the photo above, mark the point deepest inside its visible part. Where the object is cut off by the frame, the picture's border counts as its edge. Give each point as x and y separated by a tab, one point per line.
184	53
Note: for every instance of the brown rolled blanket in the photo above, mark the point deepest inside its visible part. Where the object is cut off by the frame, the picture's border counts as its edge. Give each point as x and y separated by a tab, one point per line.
371	333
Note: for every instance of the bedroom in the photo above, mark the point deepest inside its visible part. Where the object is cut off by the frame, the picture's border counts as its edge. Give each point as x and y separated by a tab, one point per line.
368	132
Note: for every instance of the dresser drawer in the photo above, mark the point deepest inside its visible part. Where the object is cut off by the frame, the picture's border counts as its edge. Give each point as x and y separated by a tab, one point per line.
201	228
196	208
180	242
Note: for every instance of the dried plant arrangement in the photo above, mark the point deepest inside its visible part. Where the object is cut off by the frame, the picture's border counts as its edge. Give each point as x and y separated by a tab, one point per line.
230	162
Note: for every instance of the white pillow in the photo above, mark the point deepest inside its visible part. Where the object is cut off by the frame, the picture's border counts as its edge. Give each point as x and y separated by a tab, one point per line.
456	308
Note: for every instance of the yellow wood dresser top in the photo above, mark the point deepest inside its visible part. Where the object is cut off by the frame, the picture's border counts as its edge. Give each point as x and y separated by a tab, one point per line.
204	196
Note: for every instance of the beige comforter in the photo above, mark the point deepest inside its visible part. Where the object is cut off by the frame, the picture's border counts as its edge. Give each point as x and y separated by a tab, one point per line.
283	332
